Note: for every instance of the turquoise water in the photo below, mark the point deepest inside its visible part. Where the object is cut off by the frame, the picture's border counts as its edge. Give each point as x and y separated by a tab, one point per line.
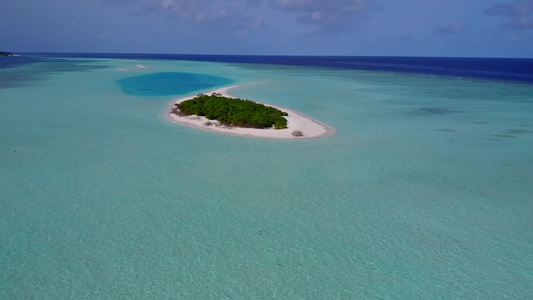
170	83
425	191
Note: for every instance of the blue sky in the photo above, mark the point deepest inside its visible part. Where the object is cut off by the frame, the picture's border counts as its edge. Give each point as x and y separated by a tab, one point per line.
486	28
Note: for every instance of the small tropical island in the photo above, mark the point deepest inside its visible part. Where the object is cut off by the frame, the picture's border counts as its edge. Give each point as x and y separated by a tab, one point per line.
220	112
6	53
233	111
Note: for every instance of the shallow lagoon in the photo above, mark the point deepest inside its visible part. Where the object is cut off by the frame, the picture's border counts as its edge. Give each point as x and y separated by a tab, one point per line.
425	191
170	83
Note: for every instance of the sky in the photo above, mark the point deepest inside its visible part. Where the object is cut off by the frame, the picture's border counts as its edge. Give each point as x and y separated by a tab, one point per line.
465	28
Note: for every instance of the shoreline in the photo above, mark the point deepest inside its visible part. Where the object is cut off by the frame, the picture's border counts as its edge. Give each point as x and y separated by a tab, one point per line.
296	121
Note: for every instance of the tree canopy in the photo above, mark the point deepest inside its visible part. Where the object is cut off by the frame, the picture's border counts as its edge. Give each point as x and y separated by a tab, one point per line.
234	111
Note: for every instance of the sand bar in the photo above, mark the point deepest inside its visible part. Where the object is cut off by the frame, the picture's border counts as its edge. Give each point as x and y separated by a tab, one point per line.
133	69
310	127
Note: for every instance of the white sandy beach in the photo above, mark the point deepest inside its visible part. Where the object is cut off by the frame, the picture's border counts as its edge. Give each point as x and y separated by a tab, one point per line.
310	128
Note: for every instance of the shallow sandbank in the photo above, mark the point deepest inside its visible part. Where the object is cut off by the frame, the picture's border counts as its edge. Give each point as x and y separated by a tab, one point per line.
309	127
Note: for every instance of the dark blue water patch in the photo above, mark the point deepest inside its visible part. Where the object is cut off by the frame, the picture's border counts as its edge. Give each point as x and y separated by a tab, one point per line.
15	61
20	71
171	83
50	64
500	69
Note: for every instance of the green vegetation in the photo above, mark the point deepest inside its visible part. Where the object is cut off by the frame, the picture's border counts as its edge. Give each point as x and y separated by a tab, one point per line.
233	111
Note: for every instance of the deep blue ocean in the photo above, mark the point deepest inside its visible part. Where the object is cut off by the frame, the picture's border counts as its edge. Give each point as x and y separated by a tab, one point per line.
504	69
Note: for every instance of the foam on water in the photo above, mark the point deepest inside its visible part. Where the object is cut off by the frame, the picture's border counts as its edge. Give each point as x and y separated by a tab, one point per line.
425	192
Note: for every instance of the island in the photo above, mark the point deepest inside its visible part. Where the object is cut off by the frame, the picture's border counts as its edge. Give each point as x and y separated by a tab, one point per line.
6	53
232	111
220	112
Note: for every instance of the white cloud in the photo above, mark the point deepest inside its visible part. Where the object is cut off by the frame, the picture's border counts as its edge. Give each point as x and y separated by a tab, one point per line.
257	22
519	14
239	17
249	26
451	28
328	17
516	8
166	4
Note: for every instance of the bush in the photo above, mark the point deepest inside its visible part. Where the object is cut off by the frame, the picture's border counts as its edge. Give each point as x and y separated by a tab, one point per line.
280	123
297	133
233	111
